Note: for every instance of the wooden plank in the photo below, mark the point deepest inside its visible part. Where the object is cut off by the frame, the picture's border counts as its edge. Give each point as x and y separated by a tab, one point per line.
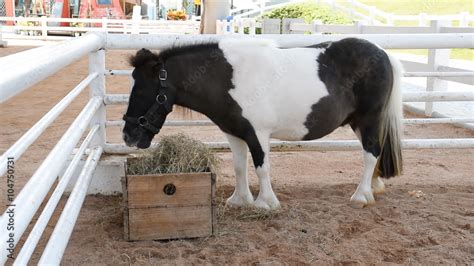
124	206
170	223
213	203
192	189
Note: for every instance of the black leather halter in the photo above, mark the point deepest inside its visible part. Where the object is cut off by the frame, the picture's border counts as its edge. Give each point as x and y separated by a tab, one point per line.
161	107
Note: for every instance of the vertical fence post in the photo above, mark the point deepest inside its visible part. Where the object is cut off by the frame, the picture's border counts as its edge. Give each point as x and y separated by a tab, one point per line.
104	24
351	8
44	27
240	26
359	26
136	17
316	24
436	58
2	42
390	19
463	19
252	28
97	88
287	24
219	30
422	19
232	26
226	26
262	7
372	15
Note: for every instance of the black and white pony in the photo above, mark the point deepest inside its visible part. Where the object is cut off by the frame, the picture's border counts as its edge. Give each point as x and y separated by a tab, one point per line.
253	91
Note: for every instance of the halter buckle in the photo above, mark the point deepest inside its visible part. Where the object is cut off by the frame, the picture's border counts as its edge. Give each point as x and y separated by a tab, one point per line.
163	75
142	121
161	98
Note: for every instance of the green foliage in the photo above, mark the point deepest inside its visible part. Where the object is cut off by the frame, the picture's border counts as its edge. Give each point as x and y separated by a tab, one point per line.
309	12
414	7
257	30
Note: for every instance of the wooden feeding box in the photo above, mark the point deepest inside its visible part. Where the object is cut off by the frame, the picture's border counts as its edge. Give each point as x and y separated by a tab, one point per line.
169	206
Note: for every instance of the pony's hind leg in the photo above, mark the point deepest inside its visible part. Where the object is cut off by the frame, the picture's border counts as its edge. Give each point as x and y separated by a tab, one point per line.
242	195
368	135
378	187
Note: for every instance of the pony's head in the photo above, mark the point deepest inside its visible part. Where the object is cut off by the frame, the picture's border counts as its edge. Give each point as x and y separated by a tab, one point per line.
151	99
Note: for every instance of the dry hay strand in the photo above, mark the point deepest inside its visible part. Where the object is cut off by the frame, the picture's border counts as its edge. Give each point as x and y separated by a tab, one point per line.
174	154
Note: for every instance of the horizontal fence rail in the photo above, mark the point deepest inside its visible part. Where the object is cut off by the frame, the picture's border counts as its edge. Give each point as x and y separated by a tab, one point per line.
20	146
322	145
42	26
360	27
438	96
15	80
439	74
397	41
62	231
30	197
194	123
295	26
124	72
37	231
377	16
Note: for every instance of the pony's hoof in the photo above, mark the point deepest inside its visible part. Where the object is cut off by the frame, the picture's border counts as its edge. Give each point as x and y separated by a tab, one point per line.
267	204
236	201
378	187
361	199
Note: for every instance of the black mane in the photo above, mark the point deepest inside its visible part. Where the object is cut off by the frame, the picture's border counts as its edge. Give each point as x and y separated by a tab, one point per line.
144	55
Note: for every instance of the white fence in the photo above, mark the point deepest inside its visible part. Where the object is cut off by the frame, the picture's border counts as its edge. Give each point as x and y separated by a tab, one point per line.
262	8
360	11
376	16
43	27
42	62
298	26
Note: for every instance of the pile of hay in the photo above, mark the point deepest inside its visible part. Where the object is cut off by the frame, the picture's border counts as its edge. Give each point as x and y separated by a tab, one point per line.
174	154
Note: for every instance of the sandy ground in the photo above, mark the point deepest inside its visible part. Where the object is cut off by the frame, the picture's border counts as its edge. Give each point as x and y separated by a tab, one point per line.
316	225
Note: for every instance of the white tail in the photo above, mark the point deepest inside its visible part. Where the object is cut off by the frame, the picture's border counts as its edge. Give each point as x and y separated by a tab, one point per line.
390	160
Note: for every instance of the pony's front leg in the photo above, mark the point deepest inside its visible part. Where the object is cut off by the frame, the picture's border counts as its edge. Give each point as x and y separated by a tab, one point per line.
261	157
242	195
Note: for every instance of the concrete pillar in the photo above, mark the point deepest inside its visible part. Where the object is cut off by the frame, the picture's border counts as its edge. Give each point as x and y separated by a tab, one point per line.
213	10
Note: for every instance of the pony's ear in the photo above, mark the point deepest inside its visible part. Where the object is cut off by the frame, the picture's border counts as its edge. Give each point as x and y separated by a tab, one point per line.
147	60
144	51
141	58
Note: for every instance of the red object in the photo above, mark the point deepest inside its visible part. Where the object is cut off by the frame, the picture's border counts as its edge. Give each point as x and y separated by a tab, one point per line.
61	10
101	9
9	6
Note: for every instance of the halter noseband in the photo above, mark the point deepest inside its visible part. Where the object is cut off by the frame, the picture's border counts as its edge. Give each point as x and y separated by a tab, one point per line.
148	121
